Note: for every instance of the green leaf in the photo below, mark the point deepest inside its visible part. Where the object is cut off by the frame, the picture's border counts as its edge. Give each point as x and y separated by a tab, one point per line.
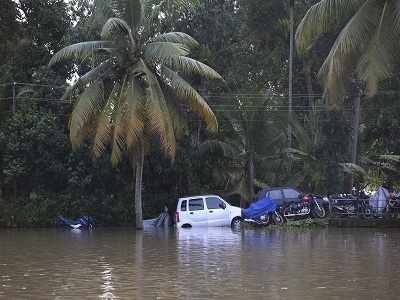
114	26
190	66
93	75
177	37
322	17
90	103
79	51
158	52
348	46
184	91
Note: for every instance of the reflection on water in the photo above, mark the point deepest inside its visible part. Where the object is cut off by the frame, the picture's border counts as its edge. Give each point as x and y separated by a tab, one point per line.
207	263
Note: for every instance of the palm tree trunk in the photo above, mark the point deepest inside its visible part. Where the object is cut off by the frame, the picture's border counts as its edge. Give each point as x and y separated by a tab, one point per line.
138	187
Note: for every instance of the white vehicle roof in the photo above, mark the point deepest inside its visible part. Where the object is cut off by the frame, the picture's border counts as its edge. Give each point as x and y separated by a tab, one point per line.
198	196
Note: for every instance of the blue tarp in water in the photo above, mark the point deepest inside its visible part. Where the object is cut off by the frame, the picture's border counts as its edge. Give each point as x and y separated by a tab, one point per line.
260	207
85	222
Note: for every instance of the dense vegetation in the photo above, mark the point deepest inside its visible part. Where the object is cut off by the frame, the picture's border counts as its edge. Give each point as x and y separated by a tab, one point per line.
247	42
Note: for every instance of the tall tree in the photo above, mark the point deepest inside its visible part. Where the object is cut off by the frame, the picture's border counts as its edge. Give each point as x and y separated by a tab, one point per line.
365	48
135	91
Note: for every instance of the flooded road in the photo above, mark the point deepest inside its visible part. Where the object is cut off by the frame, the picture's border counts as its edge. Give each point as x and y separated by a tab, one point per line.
200	264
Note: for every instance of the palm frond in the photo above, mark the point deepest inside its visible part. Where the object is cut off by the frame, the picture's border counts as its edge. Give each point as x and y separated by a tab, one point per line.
302	136
177	37
190	66
90	103
79	51
120	123
95	74
136	104
390	157
300	155
115	26
184	91
354	169
350	43
228	150
158	52
157	112
179	122
377	62
104	128
322	17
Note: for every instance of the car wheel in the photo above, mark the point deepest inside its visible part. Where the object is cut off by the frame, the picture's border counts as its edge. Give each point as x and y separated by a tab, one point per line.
236	223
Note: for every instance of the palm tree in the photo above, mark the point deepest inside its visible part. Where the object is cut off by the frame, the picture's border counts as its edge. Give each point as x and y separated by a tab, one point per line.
367	42
366	45
135	91
247	142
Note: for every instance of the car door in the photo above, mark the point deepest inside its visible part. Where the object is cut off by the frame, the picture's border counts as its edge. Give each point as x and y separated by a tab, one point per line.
217	212
197	213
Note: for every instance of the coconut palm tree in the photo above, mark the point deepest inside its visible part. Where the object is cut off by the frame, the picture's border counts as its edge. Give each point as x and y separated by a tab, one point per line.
367	42
365	49
135	91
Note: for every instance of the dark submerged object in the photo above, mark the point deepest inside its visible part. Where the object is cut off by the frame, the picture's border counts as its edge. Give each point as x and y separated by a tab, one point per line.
85	222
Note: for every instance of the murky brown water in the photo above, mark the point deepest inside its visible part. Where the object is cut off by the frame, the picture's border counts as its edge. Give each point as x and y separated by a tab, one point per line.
200	264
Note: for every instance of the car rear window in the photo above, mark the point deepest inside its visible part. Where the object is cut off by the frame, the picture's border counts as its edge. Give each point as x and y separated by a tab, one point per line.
184	205
196	204
275	194
290	194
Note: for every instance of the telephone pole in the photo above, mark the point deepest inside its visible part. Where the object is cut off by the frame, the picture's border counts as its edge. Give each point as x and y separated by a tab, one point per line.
291	20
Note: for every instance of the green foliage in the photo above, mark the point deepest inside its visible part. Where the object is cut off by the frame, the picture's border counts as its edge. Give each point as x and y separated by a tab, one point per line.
366	42
246	41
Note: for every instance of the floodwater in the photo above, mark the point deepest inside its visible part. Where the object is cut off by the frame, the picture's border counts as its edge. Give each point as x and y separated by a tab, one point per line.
209	263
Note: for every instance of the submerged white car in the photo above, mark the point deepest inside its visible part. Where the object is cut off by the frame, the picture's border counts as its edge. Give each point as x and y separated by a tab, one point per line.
208	210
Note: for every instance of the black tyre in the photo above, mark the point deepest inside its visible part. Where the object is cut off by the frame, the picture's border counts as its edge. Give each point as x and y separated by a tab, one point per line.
319	211
278	218
236	223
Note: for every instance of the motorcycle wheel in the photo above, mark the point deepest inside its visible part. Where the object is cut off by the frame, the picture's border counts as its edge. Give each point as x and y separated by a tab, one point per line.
266	221
319	212
277	218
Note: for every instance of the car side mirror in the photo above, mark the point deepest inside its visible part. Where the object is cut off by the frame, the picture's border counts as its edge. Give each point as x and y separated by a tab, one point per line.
222	205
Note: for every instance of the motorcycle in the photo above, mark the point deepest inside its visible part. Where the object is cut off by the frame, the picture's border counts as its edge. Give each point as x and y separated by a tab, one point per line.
307	206
355	204
393	205
262	212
